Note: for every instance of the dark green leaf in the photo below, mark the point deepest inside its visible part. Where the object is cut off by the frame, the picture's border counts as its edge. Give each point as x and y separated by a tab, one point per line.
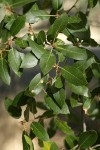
25	144
73	75
5	35
29	61
38	50
4	71
17	25
87	139
39	131
26	114
70	139
73	52
32	105
96	70
21	43
41	38
47	61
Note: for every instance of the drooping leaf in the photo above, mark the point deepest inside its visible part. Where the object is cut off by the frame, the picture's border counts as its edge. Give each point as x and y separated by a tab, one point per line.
56	4
38	50
47	61
26	114
29	142
17	25
73	75
25	144
73	52
4	71
14	59
39	131
35	14
29	61
32	105
87	139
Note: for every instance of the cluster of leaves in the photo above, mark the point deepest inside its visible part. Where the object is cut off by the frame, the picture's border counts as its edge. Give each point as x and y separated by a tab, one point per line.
51	54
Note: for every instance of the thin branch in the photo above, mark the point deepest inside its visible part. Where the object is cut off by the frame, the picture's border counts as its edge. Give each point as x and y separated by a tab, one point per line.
72	6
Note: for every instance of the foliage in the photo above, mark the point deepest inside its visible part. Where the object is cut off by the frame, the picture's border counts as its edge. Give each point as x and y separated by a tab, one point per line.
52	55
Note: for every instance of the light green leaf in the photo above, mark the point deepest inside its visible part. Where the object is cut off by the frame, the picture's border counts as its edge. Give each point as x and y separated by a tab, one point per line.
73	75
39	131
80	90
47	61
29	61
56	4
14	59
4	71
87	139
29	142
19	3
17	25
74	102
58	82
70	140
2	12
54	146
36	84
35	14
73	52
38	50
63	126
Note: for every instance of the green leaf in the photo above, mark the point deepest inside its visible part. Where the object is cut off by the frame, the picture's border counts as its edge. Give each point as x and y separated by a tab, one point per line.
4	71
63	126
96	70
17	25
53	106
74	102
32	105
58	26
73	76
77	53
41	38
92	3
9	21
58	82
38	50
19	3
21	43
54	146
29	142
80	90
12	110
70	139
47	61
39	131
56	4
60	97
35	14
5	35
36	84
2	12
14	59
25	144
87	139
26	114
29	61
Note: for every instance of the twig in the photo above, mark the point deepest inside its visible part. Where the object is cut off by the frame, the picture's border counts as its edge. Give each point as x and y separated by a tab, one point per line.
72	6
98	145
